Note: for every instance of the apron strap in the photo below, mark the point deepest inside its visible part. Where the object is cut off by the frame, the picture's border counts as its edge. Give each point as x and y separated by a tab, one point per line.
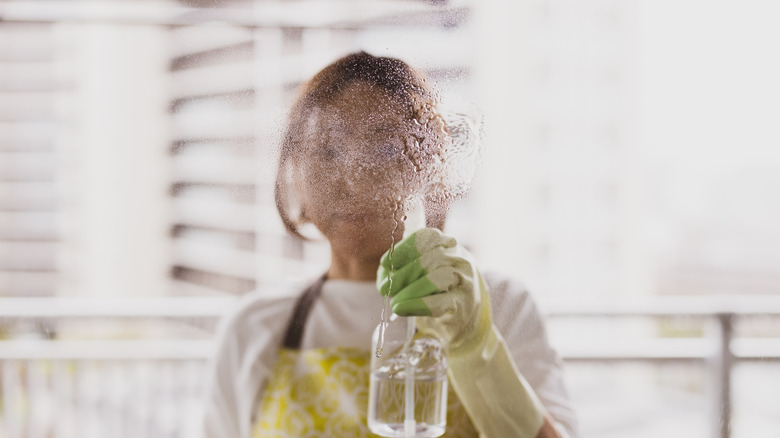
294	334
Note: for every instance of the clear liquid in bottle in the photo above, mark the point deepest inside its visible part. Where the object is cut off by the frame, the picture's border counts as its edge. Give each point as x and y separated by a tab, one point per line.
423	356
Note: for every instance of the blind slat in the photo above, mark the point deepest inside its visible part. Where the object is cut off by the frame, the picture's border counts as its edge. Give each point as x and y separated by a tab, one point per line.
212	280
238	263
222	54
214	79
216	214
27	283
27	196
214	258
27	166
32	76
192	39
213	123
26	105
224	170
26	135
189	289
29	123
27	256
28	225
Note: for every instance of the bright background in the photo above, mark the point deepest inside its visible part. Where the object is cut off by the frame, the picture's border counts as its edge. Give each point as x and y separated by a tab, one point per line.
631	165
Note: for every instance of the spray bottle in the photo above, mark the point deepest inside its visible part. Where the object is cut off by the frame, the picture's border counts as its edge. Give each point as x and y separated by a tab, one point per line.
408	383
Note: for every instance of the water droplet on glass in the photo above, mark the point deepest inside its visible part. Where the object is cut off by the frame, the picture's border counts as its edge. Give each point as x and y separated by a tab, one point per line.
380	345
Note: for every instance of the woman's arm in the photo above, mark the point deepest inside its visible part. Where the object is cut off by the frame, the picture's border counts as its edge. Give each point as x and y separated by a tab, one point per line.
522	326
435	278
497	397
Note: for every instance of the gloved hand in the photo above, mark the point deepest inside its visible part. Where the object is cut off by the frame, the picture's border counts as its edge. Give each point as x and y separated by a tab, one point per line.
433	276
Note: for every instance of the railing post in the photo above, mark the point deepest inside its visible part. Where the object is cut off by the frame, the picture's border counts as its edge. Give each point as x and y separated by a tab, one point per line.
723	362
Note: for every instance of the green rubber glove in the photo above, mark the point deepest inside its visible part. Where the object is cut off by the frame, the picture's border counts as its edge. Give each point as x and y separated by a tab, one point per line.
433	276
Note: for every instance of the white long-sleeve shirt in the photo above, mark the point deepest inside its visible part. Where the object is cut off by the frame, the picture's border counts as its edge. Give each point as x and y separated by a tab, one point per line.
345	315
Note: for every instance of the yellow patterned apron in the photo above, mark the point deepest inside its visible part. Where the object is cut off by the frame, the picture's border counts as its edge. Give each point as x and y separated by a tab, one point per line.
323	392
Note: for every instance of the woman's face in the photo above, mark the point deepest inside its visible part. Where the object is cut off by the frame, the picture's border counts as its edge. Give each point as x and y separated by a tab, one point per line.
353	176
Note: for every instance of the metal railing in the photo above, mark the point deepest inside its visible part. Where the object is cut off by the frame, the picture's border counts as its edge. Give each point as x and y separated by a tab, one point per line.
149	387
719	349
145	386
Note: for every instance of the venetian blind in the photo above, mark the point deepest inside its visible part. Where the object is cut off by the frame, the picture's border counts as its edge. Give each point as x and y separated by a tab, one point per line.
231	84
28	159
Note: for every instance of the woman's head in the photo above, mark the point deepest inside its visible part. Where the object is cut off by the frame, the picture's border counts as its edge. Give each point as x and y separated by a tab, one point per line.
363	135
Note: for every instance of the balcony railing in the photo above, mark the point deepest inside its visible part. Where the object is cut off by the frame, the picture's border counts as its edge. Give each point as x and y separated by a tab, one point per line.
149	386
719	349
115	383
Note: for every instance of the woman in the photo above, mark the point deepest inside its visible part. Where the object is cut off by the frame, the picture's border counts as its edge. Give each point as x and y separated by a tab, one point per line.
364	136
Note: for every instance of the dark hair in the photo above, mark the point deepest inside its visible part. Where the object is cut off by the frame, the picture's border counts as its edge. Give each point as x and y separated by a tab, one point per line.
390	74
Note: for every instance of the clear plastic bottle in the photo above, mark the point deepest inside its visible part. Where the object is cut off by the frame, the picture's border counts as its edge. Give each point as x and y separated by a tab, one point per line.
419	360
